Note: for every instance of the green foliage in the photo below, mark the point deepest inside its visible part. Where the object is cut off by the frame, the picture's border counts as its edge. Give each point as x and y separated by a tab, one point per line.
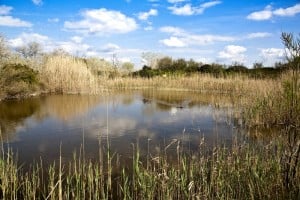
214	69
237	68
18	80
239	172
165	63
281	108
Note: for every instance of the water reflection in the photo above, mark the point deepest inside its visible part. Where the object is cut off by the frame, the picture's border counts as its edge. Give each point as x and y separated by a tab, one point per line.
154	117
13	115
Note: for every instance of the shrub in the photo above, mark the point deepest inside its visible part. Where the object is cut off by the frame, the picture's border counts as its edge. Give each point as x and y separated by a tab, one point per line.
18	80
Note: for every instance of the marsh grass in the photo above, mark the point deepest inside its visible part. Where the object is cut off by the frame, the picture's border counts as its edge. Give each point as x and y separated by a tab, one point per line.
234	85
68	74
237	172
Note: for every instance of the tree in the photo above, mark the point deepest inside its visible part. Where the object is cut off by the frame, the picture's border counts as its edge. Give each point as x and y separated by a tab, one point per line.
179	65
165	63
31	50
127	68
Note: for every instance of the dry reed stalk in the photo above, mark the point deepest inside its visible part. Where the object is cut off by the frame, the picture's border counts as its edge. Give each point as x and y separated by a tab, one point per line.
67	74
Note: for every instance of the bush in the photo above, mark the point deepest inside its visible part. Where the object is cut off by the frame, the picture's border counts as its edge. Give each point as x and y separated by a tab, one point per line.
18	80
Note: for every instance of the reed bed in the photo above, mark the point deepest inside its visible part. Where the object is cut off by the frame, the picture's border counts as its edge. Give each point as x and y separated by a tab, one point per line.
239	172
68	74
278	107
235	85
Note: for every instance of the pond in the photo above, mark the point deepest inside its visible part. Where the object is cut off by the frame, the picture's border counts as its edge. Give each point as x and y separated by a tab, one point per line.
43	128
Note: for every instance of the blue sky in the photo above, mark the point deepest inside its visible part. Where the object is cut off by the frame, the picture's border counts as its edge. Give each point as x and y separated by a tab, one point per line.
220	31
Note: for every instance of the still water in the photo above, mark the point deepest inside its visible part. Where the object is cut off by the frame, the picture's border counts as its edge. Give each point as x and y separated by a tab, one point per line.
41	127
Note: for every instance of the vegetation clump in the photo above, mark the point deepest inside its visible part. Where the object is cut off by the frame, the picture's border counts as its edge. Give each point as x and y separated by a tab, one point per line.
240	172
18	80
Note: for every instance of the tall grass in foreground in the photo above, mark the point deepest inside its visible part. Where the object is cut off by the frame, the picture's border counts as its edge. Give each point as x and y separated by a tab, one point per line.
281	108
240	172
67	74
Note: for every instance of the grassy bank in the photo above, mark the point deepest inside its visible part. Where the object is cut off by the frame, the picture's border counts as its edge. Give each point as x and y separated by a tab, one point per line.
240	172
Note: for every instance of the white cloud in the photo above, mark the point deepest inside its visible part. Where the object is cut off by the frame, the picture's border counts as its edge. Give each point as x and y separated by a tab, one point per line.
188	9
183	10
209	4
5	10
258	35
233	53
76	39
146	15
268	13
290	11
37	2
182	38
261	15
207	39
6	20
272	54
25	38
172	30
173	42
74	47
13	22
101	22
53	20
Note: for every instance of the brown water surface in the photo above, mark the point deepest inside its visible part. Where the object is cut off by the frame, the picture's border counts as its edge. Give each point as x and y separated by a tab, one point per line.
36	128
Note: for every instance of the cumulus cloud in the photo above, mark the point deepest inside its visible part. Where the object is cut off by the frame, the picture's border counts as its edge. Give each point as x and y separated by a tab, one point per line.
182	10
13	22
102	21
233	53
272	54
146	15
73	46
7	20
258	35
25	38
173	42
268	13
188	9
181	38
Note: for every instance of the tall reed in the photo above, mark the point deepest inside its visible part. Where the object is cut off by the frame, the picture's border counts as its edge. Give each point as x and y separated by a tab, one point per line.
67	74
239	172
235	85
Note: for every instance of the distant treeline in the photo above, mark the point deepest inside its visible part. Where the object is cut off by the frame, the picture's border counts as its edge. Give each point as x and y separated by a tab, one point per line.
167	66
